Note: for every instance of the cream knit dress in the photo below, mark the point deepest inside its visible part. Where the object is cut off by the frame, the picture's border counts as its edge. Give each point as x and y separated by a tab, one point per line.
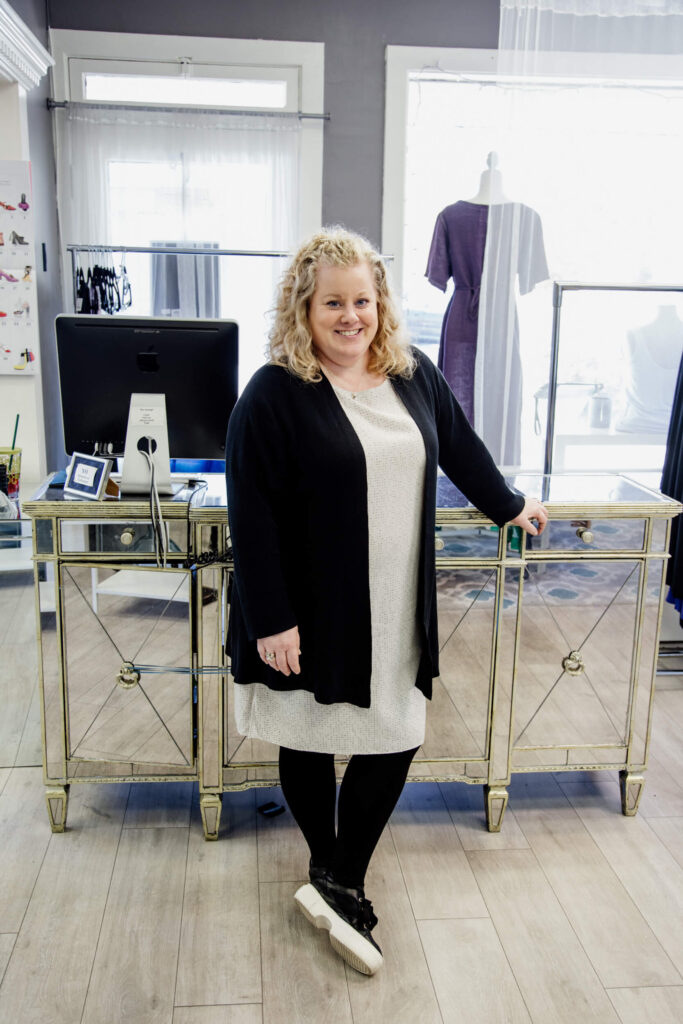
395	459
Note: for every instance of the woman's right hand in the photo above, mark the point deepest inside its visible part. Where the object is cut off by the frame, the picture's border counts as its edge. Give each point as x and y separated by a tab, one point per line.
284	647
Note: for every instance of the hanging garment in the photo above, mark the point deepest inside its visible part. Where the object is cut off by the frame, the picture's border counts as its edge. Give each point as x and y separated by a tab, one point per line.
457	250
185	285
82	294
93	293
672	485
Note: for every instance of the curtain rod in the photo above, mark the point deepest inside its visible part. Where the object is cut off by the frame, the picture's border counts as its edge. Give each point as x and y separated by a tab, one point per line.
171	251
157	108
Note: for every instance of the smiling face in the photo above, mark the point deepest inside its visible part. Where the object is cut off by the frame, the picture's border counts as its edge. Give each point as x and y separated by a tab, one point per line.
342	315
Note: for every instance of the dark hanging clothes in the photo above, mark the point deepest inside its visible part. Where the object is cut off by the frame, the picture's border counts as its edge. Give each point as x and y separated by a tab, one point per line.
458	248
672	486
457	251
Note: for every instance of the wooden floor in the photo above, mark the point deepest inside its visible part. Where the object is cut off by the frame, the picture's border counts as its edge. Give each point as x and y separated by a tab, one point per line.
572	913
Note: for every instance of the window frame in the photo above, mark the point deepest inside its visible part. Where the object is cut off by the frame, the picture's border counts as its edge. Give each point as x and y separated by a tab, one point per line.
76	51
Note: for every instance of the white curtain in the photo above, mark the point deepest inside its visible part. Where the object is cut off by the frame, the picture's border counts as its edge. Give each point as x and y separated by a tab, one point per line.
529	28
129	177
586	143
231	177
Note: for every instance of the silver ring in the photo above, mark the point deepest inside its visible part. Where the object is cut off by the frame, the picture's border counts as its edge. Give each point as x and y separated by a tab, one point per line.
270	656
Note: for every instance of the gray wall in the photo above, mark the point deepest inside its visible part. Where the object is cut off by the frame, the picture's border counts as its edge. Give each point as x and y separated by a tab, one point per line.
32	13
355	33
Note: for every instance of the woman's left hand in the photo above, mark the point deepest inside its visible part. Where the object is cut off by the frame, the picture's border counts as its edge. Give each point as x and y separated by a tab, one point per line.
533	509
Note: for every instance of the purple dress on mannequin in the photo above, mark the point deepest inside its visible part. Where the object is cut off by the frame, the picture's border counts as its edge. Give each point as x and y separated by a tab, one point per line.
457	250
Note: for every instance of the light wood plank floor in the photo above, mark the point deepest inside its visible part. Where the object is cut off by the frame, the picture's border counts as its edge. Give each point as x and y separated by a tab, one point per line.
572	912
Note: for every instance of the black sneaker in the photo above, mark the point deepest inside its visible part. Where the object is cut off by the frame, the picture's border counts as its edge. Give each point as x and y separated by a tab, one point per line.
347	916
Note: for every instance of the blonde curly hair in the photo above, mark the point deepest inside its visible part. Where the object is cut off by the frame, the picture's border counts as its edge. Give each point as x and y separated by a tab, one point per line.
291	341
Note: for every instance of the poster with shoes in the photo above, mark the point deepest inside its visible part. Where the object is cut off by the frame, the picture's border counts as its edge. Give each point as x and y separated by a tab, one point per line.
18	323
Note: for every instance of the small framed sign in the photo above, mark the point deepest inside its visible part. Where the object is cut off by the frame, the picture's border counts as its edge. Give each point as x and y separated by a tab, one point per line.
88	477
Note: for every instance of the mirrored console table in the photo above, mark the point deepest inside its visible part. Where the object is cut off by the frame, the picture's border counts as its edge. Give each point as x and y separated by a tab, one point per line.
548	645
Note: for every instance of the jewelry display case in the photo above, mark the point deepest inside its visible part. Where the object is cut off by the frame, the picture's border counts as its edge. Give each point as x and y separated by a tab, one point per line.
548	645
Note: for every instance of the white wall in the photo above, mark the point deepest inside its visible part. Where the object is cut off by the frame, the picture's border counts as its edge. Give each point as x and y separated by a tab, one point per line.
23	395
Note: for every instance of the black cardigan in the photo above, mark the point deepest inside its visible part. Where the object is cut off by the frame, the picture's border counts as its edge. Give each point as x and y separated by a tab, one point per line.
297	507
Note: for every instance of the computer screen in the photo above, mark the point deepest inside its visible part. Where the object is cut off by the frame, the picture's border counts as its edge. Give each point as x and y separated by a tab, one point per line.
103	360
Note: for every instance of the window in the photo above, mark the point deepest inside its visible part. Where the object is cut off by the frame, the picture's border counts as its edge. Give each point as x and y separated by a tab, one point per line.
142	167
256	93
595	154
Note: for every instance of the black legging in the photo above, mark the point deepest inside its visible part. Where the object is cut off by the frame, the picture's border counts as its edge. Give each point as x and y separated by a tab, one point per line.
368	793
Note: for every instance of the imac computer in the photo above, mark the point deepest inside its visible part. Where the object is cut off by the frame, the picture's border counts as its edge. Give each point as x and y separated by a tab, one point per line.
188	368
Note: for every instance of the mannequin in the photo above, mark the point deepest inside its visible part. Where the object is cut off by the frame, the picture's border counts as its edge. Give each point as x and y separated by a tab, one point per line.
654	354
479	348
490	184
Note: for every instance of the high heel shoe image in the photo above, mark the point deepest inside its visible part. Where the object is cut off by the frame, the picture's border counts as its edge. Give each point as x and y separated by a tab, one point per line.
27	357
27	274
23	205
24	310
6	206
8	277
2	238
15	239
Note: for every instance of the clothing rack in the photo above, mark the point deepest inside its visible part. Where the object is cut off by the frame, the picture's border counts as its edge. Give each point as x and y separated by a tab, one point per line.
75	249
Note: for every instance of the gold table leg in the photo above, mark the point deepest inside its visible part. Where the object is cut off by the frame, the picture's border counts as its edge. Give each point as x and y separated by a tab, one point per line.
631	791
210	806
496	800
57	800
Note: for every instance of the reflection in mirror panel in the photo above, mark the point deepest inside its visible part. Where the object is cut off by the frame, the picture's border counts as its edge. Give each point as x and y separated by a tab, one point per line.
458	715
574	670
466	542
660	532
648	660
128	682
43	536
50	661
119	538
591	535
210	583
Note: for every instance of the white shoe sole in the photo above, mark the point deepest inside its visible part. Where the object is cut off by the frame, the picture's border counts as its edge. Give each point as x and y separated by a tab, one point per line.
345	940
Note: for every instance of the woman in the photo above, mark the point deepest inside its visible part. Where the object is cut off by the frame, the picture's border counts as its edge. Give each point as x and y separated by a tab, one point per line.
331	460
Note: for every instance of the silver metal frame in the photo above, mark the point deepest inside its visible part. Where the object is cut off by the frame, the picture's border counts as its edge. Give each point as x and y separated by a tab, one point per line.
216	772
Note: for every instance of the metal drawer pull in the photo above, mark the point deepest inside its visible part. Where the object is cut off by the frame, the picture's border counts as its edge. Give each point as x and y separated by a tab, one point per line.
573	663
584	534
128	676
127	536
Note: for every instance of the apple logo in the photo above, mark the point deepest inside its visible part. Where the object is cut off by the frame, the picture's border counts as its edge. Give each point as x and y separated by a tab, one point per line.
148	362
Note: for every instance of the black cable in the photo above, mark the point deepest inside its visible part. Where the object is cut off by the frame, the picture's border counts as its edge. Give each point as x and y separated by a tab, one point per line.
200	485
155	509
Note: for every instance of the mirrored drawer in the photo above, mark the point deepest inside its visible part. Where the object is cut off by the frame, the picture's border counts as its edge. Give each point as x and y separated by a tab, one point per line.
466	542
120	538
589	535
